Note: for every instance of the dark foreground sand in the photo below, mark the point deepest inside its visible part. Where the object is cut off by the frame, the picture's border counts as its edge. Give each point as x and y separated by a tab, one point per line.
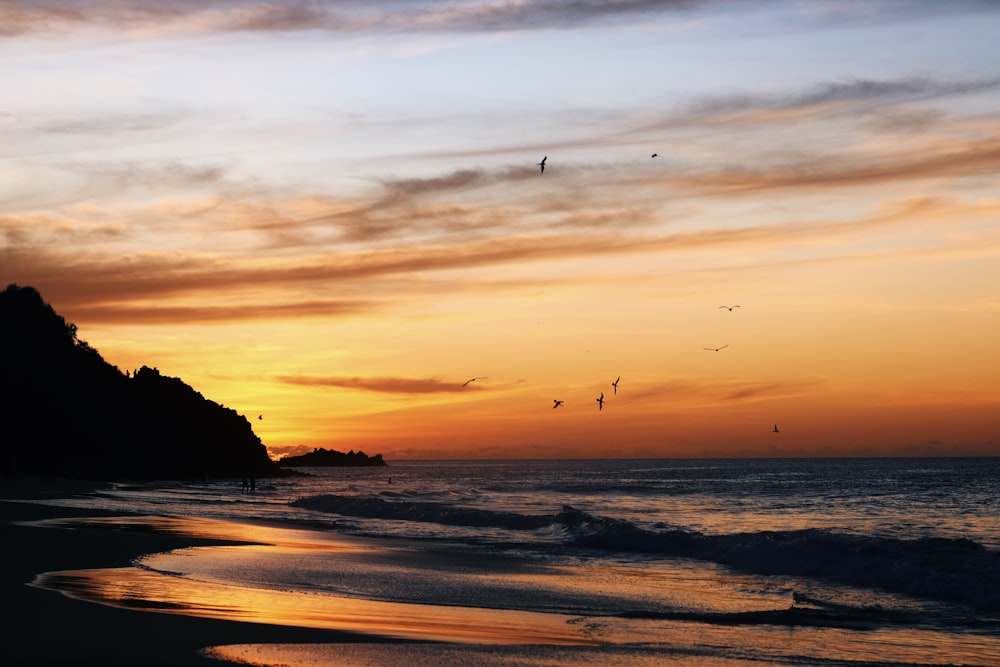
43	627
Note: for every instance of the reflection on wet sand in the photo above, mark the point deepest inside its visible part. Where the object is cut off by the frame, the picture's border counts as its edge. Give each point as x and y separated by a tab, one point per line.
152	591
723	622
139	587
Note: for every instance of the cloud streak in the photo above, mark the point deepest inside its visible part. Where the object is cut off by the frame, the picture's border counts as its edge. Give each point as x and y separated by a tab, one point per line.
109	286
435	16
137	313
23	16
978	158
384	385
714	391
849	95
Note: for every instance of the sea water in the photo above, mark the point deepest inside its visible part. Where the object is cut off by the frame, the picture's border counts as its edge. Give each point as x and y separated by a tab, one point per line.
698	562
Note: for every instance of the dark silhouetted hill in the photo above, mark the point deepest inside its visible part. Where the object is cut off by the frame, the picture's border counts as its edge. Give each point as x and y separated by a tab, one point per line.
330	457
65	411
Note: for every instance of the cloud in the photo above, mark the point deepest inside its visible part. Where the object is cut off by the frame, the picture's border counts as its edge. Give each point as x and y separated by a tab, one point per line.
849	93
168	175
710	391
386	385
138	313
435	16
23	16
589	197
975	158
865	111
152	286
851	13
463	179
75	181
109	122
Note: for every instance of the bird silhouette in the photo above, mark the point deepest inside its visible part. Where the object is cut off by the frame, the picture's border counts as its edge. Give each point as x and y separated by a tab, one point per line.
776	429
542	164
716	349
556	403
615	384
472	380
600	401
260	416
729	307
653	155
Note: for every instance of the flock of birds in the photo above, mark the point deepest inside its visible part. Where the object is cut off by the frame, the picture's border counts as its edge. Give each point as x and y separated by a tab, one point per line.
614	385
556	402
600	399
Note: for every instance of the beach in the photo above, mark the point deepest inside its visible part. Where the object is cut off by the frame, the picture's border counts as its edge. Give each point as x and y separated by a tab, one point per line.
91	555
44	627
699	563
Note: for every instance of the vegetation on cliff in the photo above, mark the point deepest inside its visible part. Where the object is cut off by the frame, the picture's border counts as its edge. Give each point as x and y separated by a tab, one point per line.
65	411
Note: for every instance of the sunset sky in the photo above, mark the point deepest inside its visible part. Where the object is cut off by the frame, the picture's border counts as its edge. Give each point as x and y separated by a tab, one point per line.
330	214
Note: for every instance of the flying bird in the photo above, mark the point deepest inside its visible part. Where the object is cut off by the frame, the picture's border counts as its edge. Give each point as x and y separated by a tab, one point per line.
542	164
716	349
615	384
600	402
260	416
776	429
472	380
556	403
729	307
653	155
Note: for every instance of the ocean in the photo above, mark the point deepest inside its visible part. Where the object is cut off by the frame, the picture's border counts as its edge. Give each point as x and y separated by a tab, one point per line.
586	562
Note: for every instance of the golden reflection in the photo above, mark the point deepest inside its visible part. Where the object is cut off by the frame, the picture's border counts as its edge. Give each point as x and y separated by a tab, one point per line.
136	588
737	634
141	588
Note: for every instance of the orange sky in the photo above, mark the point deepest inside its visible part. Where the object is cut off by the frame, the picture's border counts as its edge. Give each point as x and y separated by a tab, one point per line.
335	224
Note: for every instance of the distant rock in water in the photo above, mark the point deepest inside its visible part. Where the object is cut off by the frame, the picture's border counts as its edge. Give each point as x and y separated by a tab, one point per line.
65	411
330	457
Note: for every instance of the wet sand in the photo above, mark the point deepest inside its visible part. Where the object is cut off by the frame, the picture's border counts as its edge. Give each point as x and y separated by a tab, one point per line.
100	609
44	627
156	584
76	598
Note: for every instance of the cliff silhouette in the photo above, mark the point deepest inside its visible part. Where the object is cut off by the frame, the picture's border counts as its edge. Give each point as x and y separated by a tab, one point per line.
65	411
331	457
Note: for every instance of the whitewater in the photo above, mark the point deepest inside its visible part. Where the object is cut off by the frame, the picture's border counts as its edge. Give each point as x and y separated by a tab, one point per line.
692	562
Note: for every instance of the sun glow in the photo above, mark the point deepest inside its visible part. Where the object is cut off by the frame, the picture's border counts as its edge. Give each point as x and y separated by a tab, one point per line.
340	258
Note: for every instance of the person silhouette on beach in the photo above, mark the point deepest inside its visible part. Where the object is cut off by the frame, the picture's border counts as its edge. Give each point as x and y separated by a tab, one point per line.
246	485
253	486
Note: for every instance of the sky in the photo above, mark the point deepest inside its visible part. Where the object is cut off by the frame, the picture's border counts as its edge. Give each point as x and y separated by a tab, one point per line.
329	216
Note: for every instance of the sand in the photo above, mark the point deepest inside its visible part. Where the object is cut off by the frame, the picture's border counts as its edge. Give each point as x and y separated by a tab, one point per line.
43	627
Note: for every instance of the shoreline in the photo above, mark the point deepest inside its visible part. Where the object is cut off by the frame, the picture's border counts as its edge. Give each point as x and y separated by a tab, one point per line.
45	627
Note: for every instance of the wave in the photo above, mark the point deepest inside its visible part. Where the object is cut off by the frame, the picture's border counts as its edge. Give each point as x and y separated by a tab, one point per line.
421	511
945	569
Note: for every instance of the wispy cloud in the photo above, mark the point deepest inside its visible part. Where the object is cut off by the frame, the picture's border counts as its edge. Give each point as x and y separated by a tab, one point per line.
26	16
752	127
848	13
849	94
139	313
715	391
108	285
107	122
20	16
972	159
386	385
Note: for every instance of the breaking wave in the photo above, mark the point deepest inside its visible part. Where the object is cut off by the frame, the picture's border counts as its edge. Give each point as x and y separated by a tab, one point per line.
421	511
951	570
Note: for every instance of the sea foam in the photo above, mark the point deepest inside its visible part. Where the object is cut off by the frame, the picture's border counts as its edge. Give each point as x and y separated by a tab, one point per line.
952	570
